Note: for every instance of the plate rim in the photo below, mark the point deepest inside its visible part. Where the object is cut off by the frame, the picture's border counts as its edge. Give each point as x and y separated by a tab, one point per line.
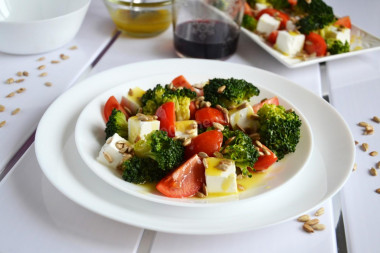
44	164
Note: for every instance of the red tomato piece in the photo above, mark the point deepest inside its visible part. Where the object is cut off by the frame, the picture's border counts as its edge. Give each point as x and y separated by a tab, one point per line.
111	104
180	81
193	109
185	181
208	142
273	37
166	116
208	115
248	9
344	21
265	161
314	43
283	17
292	2
273	101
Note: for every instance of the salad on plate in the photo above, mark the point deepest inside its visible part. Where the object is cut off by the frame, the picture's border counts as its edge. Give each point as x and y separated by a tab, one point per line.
301	29
208	139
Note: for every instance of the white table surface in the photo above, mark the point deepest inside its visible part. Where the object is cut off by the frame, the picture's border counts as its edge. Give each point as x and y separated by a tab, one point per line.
36	217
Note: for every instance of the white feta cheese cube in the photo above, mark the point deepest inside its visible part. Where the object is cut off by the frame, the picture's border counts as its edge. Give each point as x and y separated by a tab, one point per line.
186	129
244	118
289	43
220	176
267	24
260	6
132	100
339	33
109	154
137	129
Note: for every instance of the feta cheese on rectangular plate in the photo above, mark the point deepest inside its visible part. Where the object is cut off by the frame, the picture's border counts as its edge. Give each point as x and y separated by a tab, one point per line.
243	118
109	154
186	129
137	129
220	180
339	33
289	43
267	24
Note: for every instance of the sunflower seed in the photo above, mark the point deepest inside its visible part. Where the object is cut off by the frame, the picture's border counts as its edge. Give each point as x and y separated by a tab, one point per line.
259	144
25	73
202	155
109	140
242	106
48	84
369	132
304	218
255	136
10	95
376	119
222	166
200	195
108	157
355	167
217	154
55	62
2	108
356	142
308	228
373	153
64	57
240	187
320	211
186	142
319	227
20	80
221	89
365	146
218	126
19	73
229	140
205	163
73	48
41	59
9	81
373	172
204	190
43	74
21	90
312	222
41	67
378	165
15	111
363	124
377	190
2	123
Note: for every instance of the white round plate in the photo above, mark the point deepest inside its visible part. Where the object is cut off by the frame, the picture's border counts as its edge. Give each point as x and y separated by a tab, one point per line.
90	137
329	167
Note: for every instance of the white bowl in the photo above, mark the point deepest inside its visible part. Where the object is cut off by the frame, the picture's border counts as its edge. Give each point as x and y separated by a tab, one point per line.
38	26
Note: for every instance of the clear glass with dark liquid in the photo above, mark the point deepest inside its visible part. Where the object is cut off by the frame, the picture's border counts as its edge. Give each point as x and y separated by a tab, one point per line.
207	29
207	39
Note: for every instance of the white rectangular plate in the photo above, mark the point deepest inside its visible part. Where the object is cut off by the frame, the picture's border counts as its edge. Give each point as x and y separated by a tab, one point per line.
359	38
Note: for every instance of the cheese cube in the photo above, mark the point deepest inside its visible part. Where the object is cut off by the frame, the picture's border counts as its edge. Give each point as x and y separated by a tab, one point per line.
260	6
109	154
137	129
220	175
339	33
244	118
289	43
186	129
132	100
267	24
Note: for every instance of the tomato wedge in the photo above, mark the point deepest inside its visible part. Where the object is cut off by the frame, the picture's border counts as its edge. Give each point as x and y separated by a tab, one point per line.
292	2
166	116
314	43
273	37
283	17
207	142
111	104
208	115
265	161
185	181
193	109
247	9
344	21
180	81
273	101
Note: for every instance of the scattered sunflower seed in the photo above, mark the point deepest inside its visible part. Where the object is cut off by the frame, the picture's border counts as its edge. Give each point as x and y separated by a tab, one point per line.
9	81
2	108
363	124
25	73
312	222
218	126
240	187
20	80
2	123
369	132
378	165
377	190
202	155
320	211
15	111
205	163
376	119
41	67
19	73
10	95
356	142
365	146
41	59
64	57
200	195
48	84
186	142
108	157
73	48
373	153
355	167
221	89
55	62
308	228
304	218
21	90
373	172
43	74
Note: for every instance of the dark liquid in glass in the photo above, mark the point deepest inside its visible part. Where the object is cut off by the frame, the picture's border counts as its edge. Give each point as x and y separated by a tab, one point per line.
206	39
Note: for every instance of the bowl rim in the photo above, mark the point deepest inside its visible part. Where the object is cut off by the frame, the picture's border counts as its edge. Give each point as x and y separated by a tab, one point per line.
85	5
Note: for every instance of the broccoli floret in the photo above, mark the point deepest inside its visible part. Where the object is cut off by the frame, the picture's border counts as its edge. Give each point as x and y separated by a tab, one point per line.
168	153
117	123
236	91
141	170
240	149
337	47
279	4
279	129
318	15
153	98
249	23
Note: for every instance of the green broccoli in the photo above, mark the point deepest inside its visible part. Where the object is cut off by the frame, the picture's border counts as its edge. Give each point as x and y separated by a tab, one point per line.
117	123
153	98
157	145
318	15
249	23
337	47
279	129
240	149
139	170
236	91
279	4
